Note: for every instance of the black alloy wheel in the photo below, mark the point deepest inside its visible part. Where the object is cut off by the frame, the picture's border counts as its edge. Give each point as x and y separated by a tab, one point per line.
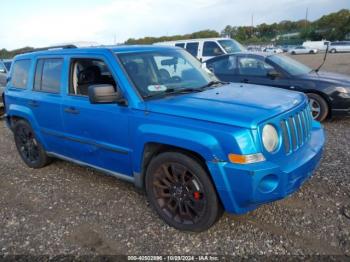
29	148
181	192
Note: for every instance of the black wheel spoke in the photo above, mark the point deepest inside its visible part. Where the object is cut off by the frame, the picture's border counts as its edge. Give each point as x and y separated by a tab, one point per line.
174	186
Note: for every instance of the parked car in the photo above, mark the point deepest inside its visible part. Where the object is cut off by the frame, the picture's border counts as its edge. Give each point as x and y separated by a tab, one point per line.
5	66
339	46
329	93
152	116
319	45
206	48
302	50
273	50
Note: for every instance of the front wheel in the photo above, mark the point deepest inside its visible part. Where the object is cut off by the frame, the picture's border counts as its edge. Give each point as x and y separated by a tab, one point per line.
318	106
29	148
333	51
179	189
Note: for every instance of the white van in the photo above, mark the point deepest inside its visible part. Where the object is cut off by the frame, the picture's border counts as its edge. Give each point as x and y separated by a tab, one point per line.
339	46
205	48
319	45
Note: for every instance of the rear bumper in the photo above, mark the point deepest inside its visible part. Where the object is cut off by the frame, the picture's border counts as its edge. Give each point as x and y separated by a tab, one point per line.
243	188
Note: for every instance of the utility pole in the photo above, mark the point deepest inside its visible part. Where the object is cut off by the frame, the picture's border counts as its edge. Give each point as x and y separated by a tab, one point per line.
306	16
252	28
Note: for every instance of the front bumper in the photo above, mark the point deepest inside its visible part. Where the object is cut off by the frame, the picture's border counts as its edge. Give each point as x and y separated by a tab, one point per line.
243	188
341	104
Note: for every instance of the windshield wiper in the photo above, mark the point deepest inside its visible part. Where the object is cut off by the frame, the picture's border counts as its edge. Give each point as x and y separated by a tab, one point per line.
212	83
172	91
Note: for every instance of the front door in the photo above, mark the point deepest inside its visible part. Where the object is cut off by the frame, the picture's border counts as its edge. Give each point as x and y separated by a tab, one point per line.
254	70
97	134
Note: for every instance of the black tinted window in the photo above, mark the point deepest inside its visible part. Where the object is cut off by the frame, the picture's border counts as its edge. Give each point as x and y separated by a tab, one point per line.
48	75
20	73
250	66
192	48
211	49
180	45
225	65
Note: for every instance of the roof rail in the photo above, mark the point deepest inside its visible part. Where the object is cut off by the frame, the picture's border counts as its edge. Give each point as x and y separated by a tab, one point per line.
56	47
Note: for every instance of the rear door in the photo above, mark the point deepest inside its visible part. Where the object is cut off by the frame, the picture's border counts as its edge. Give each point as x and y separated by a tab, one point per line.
97	134
45	101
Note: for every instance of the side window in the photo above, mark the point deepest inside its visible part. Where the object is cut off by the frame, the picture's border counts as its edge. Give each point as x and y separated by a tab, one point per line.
226	65
85	72
20	73
250	66
180	45
211	48
192	48
48	74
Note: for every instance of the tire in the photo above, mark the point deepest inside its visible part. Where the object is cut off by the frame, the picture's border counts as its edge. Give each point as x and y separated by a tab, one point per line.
311	52
293	53
181	192
29	148
333	51
2	111
319	107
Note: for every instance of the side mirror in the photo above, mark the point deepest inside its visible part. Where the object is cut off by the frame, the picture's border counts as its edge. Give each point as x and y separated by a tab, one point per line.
273	74
105	94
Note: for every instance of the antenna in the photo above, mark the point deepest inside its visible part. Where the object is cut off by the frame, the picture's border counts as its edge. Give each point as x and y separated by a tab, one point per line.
324	59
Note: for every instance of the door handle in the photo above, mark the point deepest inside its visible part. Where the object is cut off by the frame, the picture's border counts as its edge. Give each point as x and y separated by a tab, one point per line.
33	103
71	110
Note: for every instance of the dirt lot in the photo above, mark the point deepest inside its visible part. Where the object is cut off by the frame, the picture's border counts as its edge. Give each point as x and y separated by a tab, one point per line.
67	209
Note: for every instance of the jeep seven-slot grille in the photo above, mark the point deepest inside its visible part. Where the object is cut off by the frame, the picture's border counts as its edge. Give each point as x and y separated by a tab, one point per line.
296	130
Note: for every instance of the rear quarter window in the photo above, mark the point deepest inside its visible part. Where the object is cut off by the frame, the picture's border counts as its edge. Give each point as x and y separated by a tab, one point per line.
20	73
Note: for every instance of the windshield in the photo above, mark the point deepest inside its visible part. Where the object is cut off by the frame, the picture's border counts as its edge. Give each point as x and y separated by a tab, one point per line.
231	46
166	71
292	66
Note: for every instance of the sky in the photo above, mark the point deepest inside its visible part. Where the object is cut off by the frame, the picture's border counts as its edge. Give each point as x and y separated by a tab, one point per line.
39	23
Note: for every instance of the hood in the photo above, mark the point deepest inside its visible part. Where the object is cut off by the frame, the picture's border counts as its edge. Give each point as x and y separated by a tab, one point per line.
334	78
241	105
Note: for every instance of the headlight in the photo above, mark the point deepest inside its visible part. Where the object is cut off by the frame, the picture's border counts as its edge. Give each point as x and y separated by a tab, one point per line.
341	89
270	138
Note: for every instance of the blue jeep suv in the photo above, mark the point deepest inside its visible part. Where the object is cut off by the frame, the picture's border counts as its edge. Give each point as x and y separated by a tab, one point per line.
152	116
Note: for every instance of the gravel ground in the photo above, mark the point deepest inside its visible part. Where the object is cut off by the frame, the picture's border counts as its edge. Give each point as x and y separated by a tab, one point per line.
68	209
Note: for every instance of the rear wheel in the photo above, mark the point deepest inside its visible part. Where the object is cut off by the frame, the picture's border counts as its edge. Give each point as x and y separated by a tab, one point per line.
179	189
319	107
29	148
293	53
333	51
